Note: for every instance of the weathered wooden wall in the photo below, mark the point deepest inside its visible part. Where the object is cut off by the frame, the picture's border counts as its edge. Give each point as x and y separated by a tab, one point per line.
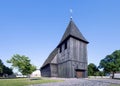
45	72
63	61
78	55
72	58
54	70
66	63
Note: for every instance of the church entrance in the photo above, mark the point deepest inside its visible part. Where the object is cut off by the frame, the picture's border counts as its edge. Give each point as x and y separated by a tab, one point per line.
80	73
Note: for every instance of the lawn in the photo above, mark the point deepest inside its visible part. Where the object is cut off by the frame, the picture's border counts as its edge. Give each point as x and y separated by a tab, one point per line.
24	81
114	85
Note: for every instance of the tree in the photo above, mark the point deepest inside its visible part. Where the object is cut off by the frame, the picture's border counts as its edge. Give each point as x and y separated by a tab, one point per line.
22	63
1	67
92	70
111	63
7	70
4	69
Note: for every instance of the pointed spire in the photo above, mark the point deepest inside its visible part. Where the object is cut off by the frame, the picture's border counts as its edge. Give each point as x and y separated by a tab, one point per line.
72	31
71	11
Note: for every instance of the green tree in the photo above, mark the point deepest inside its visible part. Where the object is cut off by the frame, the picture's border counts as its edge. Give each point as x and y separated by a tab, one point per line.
111	63
4	69
1	67
22	63
7	70
92	70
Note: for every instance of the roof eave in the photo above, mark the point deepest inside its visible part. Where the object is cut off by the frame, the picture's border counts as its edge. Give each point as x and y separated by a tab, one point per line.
85	41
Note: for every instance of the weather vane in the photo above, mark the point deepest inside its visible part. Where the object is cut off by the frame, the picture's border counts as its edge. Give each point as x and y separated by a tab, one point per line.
71	11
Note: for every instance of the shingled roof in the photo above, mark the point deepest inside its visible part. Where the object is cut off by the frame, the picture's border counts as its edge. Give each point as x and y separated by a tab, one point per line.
73	31
50	57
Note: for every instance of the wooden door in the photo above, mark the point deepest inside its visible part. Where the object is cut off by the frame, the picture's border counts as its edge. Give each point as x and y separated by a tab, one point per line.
79	74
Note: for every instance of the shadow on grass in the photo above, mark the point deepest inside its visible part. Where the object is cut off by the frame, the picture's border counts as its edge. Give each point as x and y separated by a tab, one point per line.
35	79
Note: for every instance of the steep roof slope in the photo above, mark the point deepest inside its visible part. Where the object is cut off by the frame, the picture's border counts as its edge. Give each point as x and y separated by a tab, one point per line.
73	31
50	57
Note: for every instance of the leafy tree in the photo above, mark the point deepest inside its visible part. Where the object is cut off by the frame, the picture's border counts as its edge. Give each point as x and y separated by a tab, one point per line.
7	70
99	73
22	63
4	69
92	70
1	67
111	63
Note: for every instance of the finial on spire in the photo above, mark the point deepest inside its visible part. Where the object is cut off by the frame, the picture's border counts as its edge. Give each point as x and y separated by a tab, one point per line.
71	11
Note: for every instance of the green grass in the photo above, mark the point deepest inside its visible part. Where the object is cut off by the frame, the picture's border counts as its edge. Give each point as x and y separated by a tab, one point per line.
24	81
114	85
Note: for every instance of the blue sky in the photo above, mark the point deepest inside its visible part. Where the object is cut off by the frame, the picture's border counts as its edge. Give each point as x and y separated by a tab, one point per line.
35	27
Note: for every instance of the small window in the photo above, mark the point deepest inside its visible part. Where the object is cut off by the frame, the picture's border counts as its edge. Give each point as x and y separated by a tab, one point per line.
60	49
65	45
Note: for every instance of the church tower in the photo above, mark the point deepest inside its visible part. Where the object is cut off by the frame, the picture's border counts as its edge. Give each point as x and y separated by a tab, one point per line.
72	53
69	58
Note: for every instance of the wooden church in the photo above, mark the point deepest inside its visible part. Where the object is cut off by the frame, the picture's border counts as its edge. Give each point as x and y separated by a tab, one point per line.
69	58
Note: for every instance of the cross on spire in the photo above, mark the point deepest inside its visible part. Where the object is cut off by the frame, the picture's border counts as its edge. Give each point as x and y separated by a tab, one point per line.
71	11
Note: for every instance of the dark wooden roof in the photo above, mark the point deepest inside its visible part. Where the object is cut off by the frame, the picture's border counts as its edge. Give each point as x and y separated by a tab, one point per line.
50	57
73	31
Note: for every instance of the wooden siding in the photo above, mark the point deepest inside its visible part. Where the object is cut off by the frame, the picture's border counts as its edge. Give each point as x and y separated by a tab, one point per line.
45	72
78	55
54	60
54	70
78	50
50	70
72	58
64	55
64	70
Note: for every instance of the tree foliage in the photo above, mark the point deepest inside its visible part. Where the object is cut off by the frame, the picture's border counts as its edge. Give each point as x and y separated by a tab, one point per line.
111	63
92	69
22	63
4	70
7	70
1	66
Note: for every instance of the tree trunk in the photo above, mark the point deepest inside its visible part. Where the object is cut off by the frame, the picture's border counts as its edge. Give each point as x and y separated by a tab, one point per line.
29	76
113	75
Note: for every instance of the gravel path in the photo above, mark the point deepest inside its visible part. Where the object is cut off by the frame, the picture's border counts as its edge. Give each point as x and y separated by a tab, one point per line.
112	81
82	82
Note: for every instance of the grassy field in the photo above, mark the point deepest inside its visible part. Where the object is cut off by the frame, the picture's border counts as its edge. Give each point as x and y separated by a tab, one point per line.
24	81
114	85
